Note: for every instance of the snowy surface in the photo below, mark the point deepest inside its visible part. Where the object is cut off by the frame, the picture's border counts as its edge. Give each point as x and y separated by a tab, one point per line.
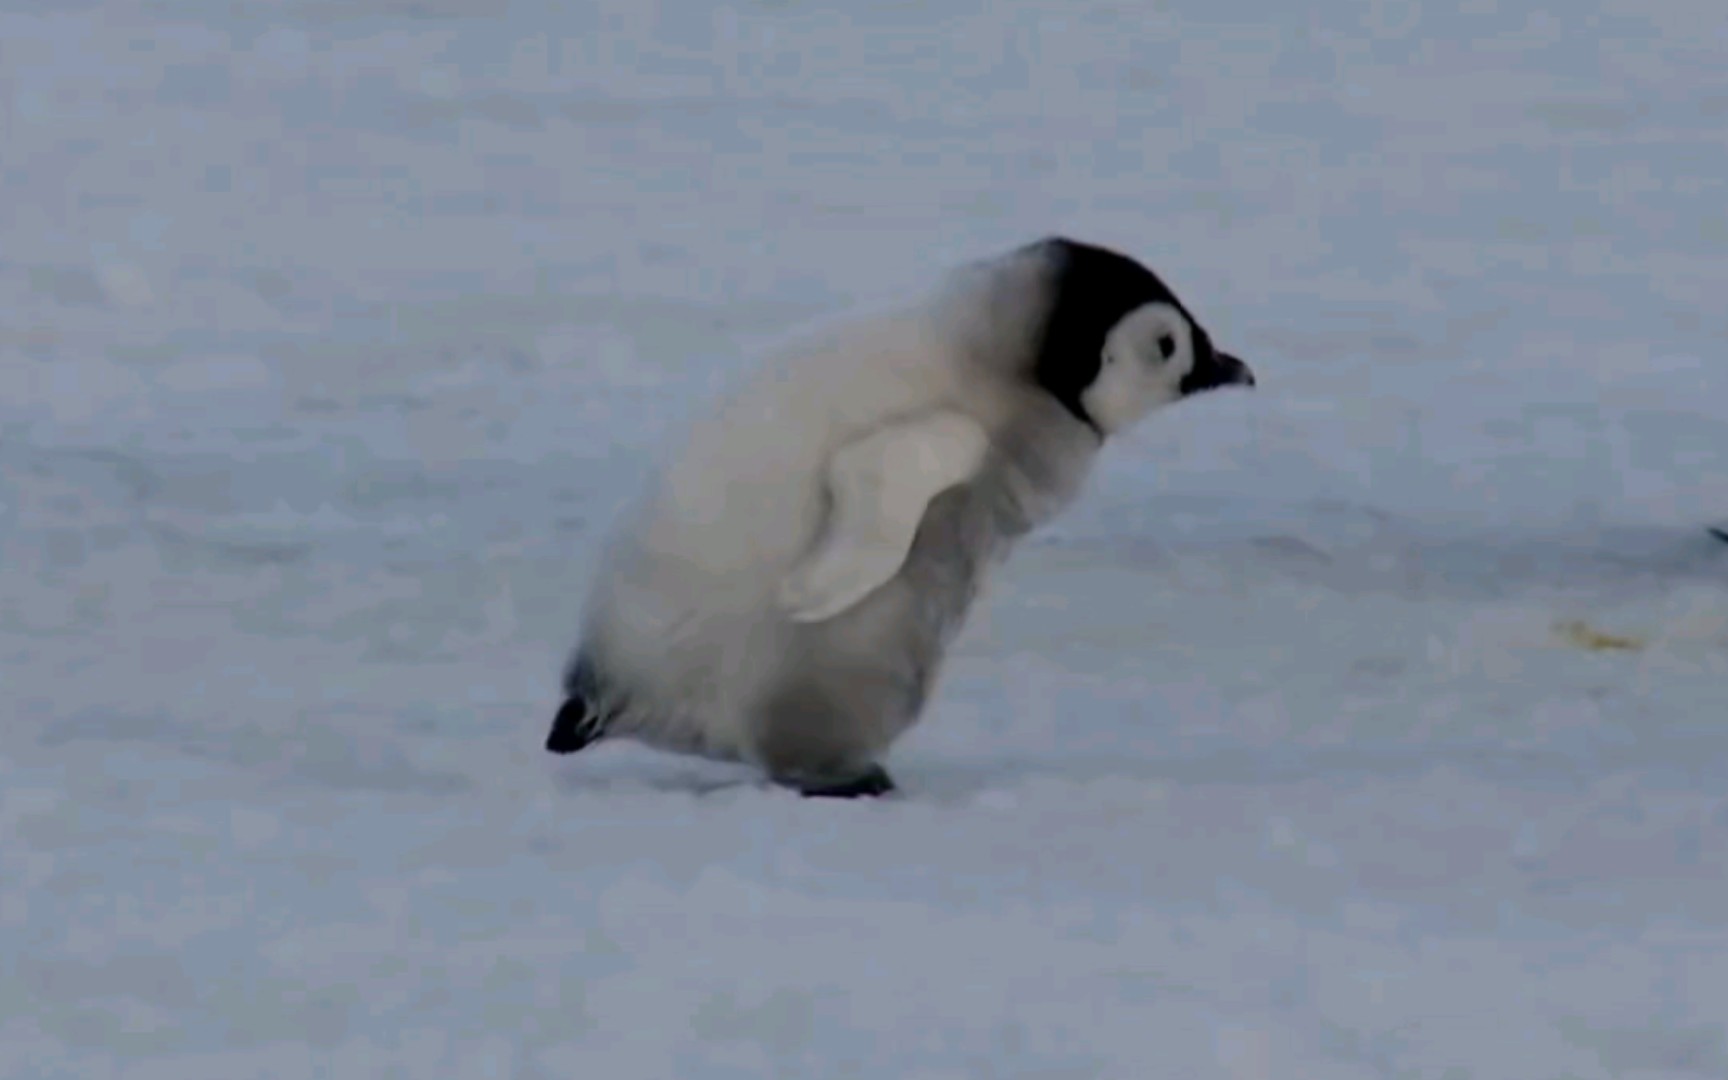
1374	724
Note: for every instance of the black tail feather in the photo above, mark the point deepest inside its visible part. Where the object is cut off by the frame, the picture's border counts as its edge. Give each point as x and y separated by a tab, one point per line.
575	727
581	721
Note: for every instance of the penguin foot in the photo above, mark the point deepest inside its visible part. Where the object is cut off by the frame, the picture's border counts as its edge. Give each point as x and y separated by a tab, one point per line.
575	727
869	784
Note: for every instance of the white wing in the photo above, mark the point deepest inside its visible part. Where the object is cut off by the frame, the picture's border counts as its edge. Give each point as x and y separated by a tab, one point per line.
880	486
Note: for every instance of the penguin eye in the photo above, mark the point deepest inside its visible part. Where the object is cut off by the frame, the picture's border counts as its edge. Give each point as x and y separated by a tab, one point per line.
1166	345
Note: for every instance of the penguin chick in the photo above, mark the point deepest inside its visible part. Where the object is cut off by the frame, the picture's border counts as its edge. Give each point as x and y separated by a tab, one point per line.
785	592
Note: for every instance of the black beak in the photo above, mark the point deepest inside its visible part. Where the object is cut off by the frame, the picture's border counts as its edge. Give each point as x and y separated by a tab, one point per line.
1219	369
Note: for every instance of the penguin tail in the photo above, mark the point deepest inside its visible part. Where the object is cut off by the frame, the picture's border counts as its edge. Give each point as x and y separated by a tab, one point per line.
580	721
576	726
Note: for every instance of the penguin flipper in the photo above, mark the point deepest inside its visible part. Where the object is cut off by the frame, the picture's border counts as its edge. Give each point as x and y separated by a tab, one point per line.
880	486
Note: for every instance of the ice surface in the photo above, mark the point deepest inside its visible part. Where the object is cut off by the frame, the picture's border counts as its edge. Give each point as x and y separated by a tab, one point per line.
1368	725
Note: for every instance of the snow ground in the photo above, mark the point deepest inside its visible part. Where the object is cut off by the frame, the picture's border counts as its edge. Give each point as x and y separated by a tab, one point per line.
331	334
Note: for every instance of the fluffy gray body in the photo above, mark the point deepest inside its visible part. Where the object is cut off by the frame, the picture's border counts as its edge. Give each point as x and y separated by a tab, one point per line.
686	642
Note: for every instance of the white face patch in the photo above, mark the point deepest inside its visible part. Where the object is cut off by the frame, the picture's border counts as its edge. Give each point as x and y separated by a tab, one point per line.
1146	355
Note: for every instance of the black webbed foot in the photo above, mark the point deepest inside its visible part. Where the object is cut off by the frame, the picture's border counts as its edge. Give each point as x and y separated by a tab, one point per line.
869	784
575	727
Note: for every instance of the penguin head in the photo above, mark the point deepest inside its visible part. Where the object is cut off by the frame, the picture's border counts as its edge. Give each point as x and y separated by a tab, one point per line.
1116	344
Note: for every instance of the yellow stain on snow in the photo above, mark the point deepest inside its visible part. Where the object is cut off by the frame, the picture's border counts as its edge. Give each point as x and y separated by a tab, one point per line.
1581	634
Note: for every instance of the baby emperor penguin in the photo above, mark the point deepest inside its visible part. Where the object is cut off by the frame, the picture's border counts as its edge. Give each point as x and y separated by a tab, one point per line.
785	593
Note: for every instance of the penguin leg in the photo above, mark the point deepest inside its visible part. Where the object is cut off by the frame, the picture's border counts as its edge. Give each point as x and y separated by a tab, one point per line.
822	738
873	782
